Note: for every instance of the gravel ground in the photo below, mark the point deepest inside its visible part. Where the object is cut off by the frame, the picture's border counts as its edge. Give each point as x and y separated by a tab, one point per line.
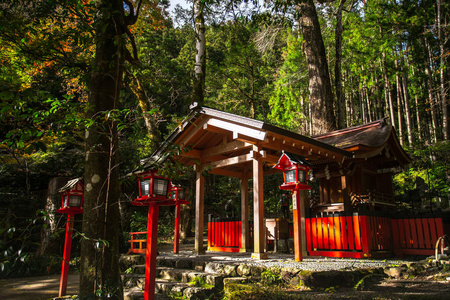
287	261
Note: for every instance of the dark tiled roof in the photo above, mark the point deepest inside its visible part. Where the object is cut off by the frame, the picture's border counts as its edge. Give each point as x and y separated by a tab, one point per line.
371	135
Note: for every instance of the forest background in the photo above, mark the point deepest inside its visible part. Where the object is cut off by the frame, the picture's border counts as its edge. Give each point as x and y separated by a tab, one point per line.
384	58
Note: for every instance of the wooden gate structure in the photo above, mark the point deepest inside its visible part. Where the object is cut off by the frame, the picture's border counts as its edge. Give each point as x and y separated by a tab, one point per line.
345	218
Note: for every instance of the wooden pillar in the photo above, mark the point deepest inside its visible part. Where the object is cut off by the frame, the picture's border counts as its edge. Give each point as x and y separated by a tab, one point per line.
245	242
199	211
303	200
345	196
259	228
296	216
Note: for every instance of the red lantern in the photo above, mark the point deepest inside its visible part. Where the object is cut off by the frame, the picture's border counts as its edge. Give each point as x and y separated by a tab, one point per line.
72	197
295	171
72	203
152	187
178	193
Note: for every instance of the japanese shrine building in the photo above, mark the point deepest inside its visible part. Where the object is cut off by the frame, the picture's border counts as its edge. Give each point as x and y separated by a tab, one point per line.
354	167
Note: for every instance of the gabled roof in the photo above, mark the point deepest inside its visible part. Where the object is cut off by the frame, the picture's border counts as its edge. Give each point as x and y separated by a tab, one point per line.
225	143
368	140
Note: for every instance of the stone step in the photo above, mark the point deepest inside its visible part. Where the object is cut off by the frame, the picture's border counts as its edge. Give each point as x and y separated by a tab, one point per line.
180	263
167	289
187	276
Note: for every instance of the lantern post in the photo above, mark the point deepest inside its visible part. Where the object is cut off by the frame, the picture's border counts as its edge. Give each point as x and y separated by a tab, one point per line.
72	203
153	192
295	173
178	194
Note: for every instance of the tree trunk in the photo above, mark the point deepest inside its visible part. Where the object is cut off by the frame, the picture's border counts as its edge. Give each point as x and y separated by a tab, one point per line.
321	94
433	102
408	116
150	119
340	99
54	201
442	59
387	92
100	246
399	103
200	56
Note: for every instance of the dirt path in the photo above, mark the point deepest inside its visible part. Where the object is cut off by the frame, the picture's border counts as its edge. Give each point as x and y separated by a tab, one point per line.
36	288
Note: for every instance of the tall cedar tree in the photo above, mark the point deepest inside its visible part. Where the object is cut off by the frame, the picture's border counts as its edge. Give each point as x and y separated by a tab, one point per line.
321	93
200	56
100	249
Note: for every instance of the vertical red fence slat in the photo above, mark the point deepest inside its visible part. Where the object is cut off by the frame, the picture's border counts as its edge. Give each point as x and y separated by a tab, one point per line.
357	230
319	233
434	237
308	234
412	226
350	232
344	229
338	236
314	232
420	234
426	233
332	231
326	242
407	233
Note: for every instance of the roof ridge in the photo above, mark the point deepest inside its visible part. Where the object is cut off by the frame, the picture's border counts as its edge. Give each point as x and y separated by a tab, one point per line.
350	129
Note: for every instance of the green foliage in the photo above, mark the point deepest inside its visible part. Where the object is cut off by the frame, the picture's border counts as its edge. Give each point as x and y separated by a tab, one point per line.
200	281
271	276
431	166
255	291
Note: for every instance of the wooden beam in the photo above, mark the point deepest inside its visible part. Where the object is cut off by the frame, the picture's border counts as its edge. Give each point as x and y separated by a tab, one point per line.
239	129
229	161
191	153
196	128
225	172
225	148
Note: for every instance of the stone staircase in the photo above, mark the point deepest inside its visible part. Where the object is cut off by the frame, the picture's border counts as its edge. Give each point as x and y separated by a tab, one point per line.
178	277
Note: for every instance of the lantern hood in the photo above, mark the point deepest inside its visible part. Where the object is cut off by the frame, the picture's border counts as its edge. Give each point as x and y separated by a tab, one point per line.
289	159
70	184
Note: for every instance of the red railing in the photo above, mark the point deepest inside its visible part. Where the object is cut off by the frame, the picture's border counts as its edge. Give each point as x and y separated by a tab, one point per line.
225	236
416	236
138	242
354	236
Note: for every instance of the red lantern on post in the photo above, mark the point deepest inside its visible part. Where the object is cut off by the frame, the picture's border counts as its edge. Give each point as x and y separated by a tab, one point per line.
153	192
295	173
177	194
72	203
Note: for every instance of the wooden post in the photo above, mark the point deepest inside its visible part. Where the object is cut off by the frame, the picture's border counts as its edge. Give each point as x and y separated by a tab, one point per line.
244	214
259	229
303	199
176	238
199	211
66	256
296	205
152	244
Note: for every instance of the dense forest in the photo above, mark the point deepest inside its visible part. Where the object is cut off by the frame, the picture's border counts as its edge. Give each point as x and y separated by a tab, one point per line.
77	76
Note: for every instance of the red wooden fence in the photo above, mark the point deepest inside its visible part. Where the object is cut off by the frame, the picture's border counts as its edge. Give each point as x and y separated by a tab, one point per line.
343	235
138	242
337	235
225	236
416	236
